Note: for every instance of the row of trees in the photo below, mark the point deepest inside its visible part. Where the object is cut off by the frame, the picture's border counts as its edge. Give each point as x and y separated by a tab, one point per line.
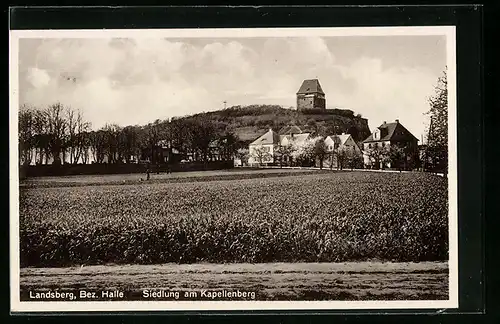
399	156
51	134
312	151
59	134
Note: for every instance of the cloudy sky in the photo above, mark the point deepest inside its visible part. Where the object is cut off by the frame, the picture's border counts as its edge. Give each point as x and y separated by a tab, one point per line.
135	81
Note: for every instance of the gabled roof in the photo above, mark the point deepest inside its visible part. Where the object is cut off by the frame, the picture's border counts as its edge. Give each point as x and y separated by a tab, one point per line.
395	132
340	139
295	138
300	138
270	137
290	130
310	87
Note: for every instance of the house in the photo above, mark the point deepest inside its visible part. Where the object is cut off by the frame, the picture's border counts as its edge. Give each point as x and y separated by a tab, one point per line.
261	151
310	95
391	145
343	151
292	135
272	146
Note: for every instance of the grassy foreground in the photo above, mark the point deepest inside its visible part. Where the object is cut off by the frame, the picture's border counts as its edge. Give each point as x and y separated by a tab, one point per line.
317	217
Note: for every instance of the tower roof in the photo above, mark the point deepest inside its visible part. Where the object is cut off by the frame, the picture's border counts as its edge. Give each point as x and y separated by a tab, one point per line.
310	86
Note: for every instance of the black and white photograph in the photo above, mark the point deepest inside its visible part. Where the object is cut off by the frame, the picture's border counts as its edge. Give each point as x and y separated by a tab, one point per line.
233	169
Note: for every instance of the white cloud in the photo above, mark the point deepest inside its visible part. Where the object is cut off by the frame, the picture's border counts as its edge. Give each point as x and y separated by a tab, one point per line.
385	94
38	78
130	81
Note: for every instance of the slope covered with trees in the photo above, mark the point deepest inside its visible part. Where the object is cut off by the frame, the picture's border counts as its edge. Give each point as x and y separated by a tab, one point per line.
249	122
58	134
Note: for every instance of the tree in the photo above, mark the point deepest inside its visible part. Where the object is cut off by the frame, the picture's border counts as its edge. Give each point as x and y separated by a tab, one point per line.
39	140
303	152
320	150
26	134
78	143
377	155
341	155
398	157
98	145
111	142
243	154
354	159
153	135
282	153
260	153
129	139
72	141
437	140
56	131
227	145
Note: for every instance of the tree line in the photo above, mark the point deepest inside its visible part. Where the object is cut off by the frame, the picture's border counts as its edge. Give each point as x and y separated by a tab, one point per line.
401	156
59	134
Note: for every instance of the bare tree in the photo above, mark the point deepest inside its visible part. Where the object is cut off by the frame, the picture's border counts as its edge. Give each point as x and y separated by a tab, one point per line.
40	138
98	145
82	142
26	134
56	131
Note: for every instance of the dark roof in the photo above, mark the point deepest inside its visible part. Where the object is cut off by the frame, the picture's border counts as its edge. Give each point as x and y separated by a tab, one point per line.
395	132
310	86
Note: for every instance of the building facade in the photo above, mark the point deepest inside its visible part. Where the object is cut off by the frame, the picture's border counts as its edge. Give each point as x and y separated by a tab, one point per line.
261	151
311	96
342	151
391	145
277	147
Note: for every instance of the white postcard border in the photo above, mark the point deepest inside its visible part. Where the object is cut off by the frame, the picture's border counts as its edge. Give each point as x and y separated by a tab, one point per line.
115	306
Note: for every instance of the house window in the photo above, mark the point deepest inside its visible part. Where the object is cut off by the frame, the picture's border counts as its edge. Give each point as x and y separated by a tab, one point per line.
383	144
369	146
330	147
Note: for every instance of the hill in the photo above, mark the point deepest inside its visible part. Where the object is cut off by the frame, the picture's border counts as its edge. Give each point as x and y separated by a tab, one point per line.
249	122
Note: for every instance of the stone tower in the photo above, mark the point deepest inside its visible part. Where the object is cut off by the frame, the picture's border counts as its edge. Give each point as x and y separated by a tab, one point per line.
310	95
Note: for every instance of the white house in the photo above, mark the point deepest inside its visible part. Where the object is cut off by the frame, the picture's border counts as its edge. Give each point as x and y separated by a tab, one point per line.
341	148
261	151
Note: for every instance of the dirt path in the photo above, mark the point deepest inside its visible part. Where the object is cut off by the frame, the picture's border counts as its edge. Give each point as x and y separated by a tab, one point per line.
271	281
